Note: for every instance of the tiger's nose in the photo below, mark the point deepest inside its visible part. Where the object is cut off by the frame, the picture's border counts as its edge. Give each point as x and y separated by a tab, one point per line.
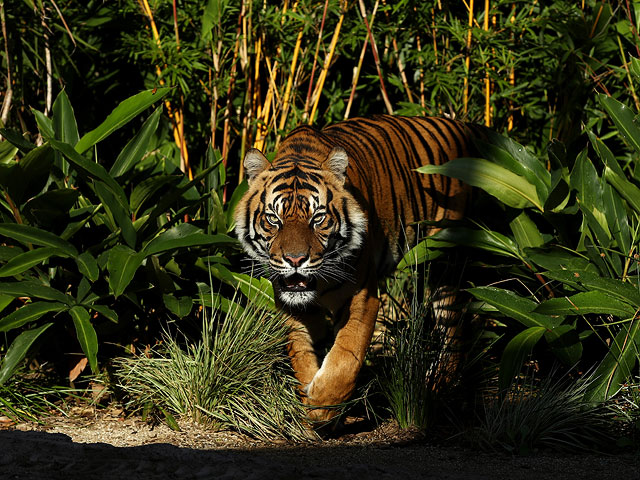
295	259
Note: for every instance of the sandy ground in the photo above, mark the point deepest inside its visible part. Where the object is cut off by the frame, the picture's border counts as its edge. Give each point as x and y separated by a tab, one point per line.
112	448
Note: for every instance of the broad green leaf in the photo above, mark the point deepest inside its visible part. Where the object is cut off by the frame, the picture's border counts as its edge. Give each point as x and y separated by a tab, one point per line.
89	168
484	239
144	191
525	231
515	353
617	365
119	212
511	189
64	120
181	236
628	190
514	306
88	266
426	250
623	117
584	179
137	146
106	312
32	235
617	219
120	116
7	151
33	290
122	266
257	290
181	307
45	124
86	335
238	193
28	259
551	258
29	313
5	301
565	343
605	155
586	302
587	281
18	350
47	208
16	139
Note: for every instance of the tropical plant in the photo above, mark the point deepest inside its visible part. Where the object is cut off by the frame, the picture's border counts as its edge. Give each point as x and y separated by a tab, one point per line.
75	235
574	235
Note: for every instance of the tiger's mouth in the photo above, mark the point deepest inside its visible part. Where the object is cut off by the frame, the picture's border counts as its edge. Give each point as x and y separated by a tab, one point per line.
297	283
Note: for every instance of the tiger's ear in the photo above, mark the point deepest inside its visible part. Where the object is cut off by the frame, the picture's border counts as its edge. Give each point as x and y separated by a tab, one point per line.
337	163
254	164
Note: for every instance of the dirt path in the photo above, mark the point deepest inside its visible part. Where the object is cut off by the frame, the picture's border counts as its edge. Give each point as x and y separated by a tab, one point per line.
118	449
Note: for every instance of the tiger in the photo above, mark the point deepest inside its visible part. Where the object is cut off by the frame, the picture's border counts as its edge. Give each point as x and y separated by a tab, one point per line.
330	217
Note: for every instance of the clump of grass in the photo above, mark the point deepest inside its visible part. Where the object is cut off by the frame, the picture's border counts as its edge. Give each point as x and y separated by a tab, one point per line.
237	376
415	352
549	413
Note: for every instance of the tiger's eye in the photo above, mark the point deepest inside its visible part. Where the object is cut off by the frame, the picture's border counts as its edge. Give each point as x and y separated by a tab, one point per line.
272	219
318	219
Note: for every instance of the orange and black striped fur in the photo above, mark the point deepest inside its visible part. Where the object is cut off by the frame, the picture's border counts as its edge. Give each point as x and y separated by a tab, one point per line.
330	217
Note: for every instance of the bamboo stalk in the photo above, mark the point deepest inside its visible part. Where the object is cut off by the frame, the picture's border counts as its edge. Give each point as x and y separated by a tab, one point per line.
8	94
467	61
327	63
420	61
307	102
287	93
176	117
376	59
512	77
356	73
487	79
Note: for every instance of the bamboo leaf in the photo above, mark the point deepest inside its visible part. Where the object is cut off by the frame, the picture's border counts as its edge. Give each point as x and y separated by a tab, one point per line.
32	289
88	266
587	281
623	117
64	120
565	344
628	190
525	232
514	354
586	302
484	239
515	306
18	350
31	235
29	313
511	189
184	235
617	365
86	335
122	266
121	115
137	146
24	261
119	211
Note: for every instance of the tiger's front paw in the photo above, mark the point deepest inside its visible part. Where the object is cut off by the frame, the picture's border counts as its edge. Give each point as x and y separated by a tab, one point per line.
325	397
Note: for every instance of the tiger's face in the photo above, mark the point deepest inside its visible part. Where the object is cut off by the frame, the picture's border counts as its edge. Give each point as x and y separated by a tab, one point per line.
298	220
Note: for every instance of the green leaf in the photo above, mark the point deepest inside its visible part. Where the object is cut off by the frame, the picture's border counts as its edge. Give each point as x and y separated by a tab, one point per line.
617	365
515	306
484	239
24	261
623	117
18	350
565	344
29	313
583	280
184	235
32	235
106	312
586	302
511	189
86	335
525	232
122	266
137	146
90	169
515	353
147	187
121	115
119	211
34	290
88	266
181	307
617	219
426	250
64	120
45	125
628	190
257	290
